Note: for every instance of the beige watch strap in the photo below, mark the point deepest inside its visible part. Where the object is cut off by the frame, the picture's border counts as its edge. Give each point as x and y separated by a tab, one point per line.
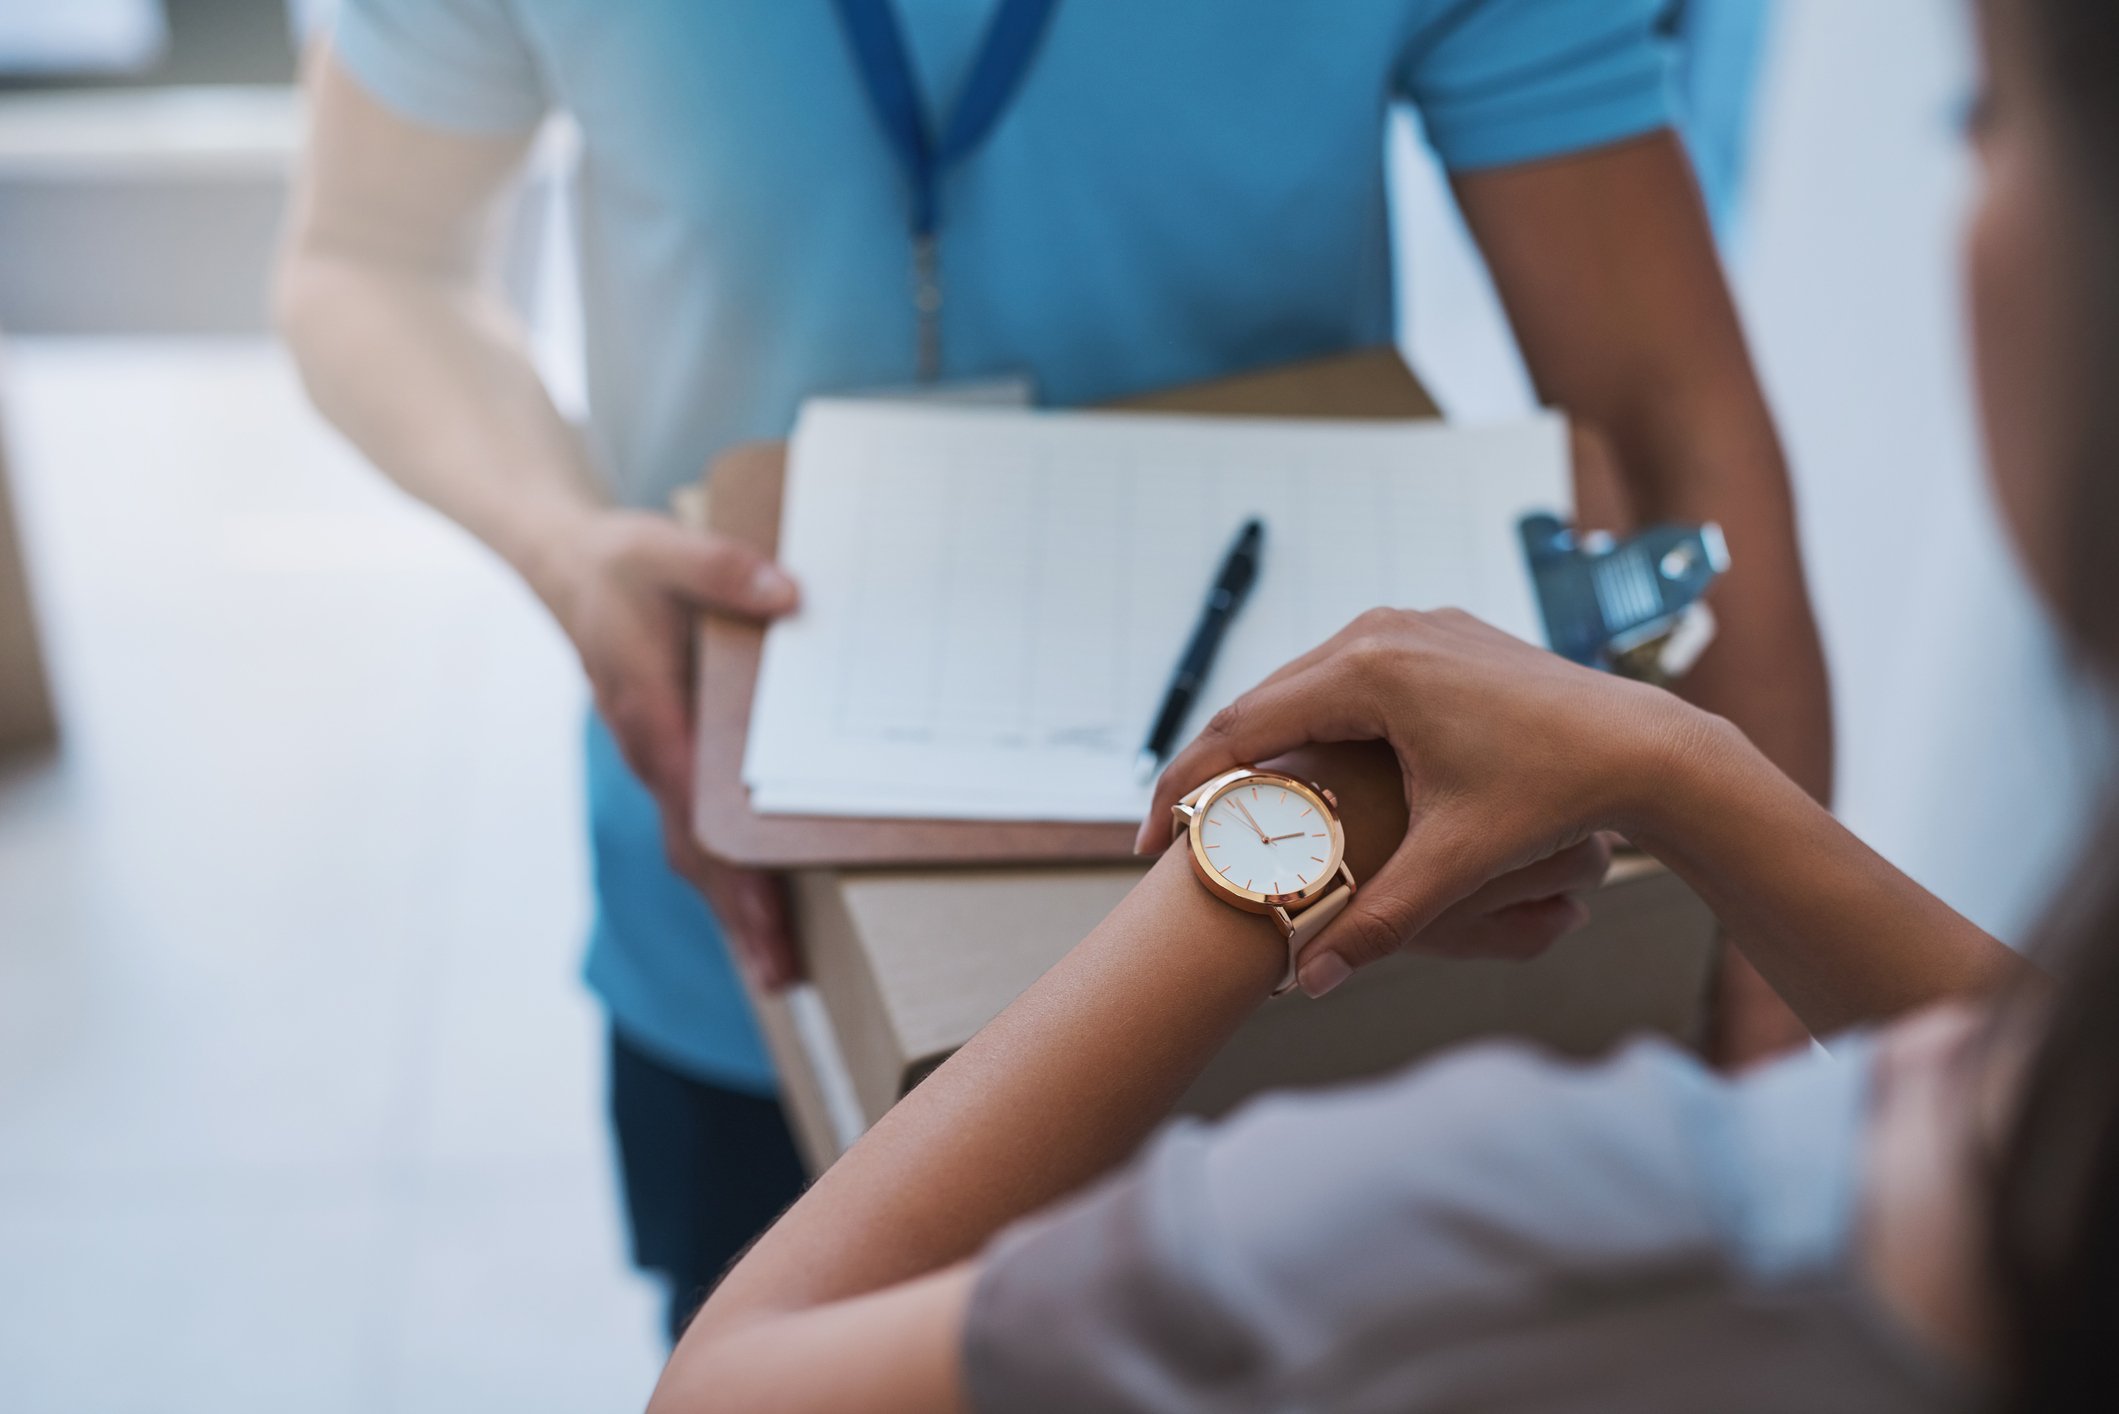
1308	924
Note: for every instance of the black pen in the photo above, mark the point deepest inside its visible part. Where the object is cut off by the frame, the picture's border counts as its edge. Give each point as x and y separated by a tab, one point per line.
1238	573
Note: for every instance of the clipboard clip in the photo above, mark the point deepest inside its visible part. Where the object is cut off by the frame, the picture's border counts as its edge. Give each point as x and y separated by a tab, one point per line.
1630	606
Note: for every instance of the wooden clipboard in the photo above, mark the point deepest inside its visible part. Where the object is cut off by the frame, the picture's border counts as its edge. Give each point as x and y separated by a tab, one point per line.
745	505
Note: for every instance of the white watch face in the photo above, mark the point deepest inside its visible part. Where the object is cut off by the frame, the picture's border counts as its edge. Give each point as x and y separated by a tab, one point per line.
1267	838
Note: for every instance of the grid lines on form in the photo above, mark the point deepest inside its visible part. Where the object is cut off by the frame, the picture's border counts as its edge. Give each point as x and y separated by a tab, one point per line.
994	601
985	587
899	561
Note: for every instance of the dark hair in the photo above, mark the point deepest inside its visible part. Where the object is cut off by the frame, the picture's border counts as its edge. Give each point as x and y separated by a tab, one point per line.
2075	45
2052	1240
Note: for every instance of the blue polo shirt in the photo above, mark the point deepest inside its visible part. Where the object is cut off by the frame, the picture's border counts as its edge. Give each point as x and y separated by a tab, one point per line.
1179	190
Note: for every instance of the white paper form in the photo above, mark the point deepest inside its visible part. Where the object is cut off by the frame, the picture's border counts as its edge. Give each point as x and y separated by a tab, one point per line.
994	601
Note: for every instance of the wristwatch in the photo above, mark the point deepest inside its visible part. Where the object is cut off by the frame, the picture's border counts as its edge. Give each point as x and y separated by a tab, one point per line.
1268	843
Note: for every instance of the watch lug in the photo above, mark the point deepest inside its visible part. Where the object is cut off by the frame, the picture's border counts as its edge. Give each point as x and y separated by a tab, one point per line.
1346	874
1287	924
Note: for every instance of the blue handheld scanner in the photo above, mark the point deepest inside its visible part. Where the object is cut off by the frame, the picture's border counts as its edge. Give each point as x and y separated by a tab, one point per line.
1604	600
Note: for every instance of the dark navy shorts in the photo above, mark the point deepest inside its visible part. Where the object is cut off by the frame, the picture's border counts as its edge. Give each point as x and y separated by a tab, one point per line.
704	1170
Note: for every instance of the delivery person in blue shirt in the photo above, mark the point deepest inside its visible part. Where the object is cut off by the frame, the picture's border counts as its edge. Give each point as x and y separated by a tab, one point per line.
1107	195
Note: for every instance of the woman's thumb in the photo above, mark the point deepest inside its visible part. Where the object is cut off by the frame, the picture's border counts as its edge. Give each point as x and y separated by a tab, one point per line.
1414	885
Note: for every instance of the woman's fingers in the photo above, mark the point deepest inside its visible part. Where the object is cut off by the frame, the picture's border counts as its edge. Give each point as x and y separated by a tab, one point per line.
1575	869
1439	892
1523	912
1436	864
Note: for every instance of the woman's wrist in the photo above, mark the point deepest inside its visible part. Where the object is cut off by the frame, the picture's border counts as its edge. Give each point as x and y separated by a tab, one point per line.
1679	761
1193	927
1247	949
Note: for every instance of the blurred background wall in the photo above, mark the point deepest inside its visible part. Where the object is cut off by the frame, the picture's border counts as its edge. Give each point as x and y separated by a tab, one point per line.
298	1094
130	199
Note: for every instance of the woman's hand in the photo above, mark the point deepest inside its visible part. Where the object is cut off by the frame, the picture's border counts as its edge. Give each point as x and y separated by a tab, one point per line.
1512	759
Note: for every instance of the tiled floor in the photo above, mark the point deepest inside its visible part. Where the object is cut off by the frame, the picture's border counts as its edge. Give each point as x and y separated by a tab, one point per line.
298	1094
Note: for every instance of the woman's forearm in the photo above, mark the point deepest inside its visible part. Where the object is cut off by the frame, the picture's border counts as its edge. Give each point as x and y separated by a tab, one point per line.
1058	1088
1841	934
1062	1086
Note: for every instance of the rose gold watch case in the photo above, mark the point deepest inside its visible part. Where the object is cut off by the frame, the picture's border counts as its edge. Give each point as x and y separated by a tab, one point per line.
1191	814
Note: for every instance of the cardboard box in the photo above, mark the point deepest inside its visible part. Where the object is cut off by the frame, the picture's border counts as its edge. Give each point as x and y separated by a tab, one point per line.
908	964
26	716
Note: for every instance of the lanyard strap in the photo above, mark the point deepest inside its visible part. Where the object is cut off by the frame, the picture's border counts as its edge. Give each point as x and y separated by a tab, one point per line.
879	51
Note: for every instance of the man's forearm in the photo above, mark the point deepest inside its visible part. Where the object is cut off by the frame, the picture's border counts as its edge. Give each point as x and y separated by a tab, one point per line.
1610	276
1706	450
1609	272
428	376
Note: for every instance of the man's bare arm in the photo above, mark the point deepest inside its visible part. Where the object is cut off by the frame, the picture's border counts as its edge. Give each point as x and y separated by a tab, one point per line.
1608	270
405	345
384	297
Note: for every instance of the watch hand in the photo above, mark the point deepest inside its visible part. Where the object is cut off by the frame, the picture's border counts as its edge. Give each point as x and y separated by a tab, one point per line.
1277	838
1256	829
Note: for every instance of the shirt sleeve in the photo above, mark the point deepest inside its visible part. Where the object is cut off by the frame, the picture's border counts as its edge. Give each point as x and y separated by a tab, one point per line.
1383	1247
463	65
1506	81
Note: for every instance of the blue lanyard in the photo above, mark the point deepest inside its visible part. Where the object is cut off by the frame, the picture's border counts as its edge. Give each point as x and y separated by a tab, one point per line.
924	156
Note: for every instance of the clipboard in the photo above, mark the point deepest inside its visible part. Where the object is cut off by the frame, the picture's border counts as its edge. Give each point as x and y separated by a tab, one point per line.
744	504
